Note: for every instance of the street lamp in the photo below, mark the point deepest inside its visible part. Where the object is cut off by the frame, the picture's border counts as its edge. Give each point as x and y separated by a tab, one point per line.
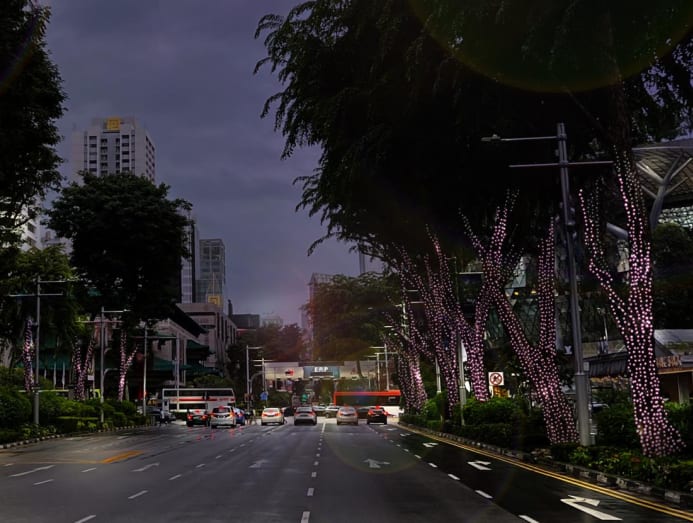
247	371
102	373
581	388
37	338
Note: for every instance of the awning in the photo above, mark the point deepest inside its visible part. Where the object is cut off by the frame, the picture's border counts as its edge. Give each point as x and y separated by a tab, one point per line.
197	351
163	365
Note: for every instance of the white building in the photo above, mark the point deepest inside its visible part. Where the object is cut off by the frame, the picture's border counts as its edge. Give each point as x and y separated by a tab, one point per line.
113	145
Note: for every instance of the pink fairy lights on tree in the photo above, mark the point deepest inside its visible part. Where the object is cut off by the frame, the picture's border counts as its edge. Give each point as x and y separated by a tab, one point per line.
125	363
83	365
633	313
28	356
538	361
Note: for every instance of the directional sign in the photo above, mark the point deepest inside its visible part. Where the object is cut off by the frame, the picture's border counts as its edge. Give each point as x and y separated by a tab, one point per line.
574	501
430	445
375	464
263	396
480	465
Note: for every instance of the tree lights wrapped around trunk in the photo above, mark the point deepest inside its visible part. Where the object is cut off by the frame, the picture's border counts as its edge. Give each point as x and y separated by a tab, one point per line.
125	363
538	362
81	366
633	313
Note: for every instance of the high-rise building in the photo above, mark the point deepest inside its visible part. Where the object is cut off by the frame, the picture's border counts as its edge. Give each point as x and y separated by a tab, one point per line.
190	268
114	145
211	286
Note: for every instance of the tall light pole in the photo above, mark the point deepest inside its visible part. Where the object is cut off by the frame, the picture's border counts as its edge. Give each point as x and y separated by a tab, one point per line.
247	372
102	373
581	379
37	338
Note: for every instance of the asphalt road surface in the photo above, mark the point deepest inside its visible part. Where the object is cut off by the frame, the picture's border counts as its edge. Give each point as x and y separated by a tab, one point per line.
287	473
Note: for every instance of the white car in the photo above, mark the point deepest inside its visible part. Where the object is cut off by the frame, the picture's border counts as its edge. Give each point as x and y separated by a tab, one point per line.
271	415
305	415
222	417
347	415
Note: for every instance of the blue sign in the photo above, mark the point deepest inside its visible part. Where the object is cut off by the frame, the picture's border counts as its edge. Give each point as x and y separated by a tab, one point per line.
263	396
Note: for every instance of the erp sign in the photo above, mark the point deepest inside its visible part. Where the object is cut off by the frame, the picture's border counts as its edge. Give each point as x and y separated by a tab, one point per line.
323	371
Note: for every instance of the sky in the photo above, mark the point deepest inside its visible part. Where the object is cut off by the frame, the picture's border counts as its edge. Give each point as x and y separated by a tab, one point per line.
184	70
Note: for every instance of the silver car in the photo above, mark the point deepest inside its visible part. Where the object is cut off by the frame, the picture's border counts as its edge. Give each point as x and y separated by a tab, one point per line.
222	417
347	415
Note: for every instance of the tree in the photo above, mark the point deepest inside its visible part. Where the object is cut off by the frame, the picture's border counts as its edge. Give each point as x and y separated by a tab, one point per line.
348	315
31	99
398	95
281	343
59	314
672	255
127	238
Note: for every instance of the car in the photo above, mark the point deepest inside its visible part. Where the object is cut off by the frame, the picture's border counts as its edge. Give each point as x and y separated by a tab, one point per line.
288	411
156	413
347	415
196	417
305	415
331	410
376	415
222	417
362	412
271	415
240	416
319	410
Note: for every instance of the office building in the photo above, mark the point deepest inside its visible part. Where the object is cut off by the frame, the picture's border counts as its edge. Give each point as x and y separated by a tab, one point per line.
211	285
113	145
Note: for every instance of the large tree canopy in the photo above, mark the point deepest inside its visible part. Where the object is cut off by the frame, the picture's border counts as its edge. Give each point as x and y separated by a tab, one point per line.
127	238
399	93
31	101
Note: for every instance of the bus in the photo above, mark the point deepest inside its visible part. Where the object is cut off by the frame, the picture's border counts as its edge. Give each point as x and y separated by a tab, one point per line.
180	401
388	399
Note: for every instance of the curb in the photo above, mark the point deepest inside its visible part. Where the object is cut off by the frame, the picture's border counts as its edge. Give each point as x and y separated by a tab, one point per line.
679	499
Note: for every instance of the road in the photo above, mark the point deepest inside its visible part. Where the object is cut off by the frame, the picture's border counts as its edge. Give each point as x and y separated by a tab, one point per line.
287	473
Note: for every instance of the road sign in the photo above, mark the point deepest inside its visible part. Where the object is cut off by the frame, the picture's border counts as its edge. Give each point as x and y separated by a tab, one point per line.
263	396
496	378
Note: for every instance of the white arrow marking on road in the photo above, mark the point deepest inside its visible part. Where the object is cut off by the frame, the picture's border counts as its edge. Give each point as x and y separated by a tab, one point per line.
258	464
31	471
574	501
479	465
390	430
375	464
147	467
405	435
430	445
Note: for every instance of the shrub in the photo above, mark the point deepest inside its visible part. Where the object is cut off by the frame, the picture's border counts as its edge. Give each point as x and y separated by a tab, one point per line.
9	435
119	419
499	434
51	406
681	417
616	427
15	408
430	410
562	451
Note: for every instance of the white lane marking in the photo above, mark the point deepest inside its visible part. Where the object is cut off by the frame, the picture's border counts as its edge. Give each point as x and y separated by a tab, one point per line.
430	445
407	450
243	444
305	517
317	455
314	475
89	470
433	465
140	493
92	516
482	493
316	463
574	501
232	450
44	481
142	469
417	456
310	491
8	464
454	477
174	477
218	456
480	465
199	466
31	471
527	518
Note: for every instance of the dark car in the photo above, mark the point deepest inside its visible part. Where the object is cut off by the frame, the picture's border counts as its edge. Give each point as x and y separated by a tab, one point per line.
362	412
196	417
376	415
319	410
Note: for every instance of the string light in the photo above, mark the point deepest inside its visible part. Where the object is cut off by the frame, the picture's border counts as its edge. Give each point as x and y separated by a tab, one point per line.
125	363
28	356
633	316
81	366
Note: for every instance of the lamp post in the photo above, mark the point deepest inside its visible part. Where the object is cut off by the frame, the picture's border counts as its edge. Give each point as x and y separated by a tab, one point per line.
247	372
37	338
581	385
102	372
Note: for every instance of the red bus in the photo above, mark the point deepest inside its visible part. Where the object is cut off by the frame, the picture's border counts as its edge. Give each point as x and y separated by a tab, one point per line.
388	399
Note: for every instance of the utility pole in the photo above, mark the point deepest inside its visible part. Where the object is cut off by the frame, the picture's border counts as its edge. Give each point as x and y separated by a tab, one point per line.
37	338
568	223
